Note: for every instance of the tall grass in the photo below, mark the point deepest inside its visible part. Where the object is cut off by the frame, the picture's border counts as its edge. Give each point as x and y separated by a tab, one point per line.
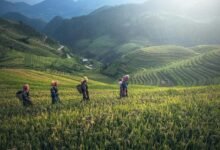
150	118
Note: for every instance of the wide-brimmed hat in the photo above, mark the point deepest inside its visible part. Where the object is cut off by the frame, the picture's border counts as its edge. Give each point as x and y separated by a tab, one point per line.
26	87
126	78
54	83
85	79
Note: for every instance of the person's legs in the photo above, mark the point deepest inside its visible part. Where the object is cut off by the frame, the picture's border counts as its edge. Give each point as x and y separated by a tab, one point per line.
27	103
53	100
121	92
84	95
87	95
30	103
24	103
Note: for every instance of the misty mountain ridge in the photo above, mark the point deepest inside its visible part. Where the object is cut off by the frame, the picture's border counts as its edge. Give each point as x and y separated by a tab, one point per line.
50	8
128	38
130	22
37	24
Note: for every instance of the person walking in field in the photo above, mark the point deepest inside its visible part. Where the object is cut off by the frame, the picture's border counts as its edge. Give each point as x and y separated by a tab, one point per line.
54	92
120	88
124	86
85	89
24	96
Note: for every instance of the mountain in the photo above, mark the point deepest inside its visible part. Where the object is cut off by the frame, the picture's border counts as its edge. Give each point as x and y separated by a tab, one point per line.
37	24
45	10
21	37
101	33
23	47
6	7
125	37
202	69
136	59
53	25
48	9
169	65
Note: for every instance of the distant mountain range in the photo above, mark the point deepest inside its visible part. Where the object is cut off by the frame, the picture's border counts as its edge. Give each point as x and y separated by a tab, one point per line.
6	7
66	8
100	34
37	24
153	22
164	65
125	38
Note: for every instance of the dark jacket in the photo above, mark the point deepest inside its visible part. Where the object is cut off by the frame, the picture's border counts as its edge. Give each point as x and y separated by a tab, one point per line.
124	85
84	86
54	91
26	98
85	90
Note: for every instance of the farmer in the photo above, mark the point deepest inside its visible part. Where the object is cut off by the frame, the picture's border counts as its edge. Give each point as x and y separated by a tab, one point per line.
25	96
124	86
54	92
120	87
85	89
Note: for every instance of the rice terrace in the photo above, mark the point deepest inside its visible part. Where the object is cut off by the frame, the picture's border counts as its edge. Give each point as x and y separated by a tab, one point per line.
130	75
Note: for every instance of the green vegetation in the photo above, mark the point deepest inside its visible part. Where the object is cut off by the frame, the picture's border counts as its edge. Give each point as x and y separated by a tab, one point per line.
132	59
107	29
23	47
97	48
203	69
123	40
37	24
20	37
168	65
16	59
151	117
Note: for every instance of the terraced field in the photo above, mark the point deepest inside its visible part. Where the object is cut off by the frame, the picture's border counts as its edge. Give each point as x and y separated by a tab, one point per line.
21	60
203	69
157	56
150	118
148	57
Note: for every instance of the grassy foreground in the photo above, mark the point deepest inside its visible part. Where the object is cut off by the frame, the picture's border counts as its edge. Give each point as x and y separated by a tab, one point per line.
150	118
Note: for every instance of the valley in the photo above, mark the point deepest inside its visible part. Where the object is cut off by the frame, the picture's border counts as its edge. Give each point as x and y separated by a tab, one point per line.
168	50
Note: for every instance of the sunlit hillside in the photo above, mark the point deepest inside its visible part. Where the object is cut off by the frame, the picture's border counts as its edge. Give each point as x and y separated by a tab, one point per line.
109	75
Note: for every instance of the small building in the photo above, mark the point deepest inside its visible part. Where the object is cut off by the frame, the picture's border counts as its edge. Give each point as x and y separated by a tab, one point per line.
85	60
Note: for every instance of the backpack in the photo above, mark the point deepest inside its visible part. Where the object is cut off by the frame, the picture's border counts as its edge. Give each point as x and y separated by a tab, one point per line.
19	95
79	88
